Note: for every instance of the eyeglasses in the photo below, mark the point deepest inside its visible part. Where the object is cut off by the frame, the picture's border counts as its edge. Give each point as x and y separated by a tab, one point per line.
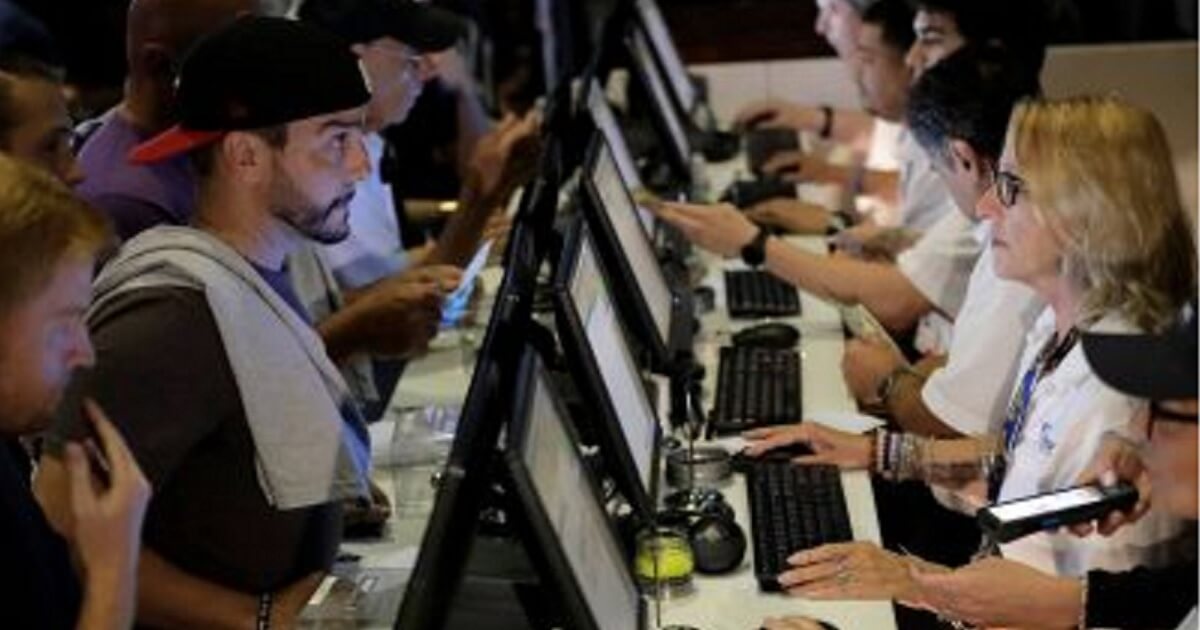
1008	186
1158	412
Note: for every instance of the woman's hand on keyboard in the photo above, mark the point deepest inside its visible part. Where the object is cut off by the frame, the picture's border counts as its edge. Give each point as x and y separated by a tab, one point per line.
829	446
854	570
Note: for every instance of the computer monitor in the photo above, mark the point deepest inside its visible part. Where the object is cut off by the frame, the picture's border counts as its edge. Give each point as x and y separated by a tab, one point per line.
449	534
667	54
568	533
643	294
665	114
603	368
606	123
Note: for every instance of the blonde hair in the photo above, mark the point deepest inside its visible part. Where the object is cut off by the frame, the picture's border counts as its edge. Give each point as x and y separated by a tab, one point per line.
41	224
1100	174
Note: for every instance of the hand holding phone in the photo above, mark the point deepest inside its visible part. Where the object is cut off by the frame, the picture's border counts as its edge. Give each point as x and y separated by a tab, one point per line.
1010	520
1117	458
455	304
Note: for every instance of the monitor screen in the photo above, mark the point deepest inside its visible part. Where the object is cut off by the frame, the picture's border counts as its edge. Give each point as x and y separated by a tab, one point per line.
606	121
668	54
657	89
575	513
627	396
617	204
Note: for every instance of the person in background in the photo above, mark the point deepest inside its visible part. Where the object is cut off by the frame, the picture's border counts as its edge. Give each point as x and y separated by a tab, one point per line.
943	26
35	126
49	241
959	111
839	22
926	287
884	35
1157	367
399	42
136	197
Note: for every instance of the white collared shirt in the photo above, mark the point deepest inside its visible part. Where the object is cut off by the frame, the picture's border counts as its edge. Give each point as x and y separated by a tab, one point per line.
940	265
970	393
1069	412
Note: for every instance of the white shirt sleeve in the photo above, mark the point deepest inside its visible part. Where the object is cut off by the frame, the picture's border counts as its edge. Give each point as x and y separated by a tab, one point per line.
940	263
970	393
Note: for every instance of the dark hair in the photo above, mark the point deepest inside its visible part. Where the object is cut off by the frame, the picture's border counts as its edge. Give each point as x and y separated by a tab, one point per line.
895	19
204	158
968	96
21	67
1019	26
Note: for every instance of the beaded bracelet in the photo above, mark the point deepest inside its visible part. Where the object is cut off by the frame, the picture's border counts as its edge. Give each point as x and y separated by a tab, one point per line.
878	447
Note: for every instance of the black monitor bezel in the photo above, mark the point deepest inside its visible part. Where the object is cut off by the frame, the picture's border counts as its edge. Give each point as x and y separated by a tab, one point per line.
447	541
632	304
593	91
660	56
585	371
542	543
678	156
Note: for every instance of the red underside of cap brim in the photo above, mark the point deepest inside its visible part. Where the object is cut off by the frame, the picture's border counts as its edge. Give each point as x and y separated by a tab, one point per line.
170	143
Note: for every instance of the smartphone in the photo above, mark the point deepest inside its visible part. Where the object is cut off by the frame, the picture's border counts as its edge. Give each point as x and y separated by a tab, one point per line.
71	424
1010	520
455	304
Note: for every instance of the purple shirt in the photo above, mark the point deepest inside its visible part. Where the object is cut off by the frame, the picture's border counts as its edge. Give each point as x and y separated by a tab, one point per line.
134	197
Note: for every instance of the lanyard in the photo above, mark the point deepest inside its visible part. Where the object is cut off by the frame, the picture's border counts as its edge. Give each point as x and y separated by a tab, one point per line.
1018	408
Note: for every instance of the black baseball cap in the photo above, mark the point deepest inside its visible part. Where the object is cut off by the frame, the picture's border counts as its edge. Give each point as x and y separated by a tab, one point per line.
257	72
1155	367
425	28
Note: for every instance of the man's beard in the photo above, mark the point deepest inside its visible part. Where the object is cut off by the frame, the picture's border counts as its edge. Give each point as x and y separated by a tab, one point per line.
292	207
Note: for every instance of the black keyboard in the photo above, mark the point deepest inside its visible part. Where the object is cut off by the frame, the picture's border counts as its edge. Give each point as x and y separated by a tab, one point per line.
752	294
747	193
792	508
756	387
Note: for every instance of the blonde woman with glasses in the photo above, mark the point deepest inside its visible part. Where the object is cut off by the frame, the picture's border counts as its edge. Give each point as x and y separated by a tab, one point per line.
1085	211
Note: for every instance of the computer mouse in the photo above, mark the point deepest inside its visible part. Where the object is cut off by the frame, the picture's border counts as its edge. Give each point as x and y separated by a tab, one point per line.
718	544
769	335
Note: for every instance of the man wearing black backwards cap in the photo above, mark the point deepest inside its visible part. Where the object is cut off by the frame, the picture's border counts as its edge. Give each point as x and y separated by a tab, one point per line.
396	41
1162	369
223	389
